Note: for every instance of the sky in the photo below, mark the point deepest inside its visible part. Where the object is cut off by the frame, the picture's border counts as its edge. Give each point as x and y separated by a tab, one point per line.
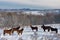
33	4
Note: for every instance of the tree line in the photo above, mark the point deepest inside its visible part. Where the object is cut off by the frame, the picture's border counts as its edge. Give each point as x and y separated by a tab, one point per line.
17	18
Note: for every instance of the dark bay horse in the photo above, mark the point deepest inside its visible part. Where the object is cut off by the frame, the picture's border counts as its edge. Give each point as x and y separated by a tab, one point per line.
54	29
46	28
15	29
20	31
7	31
49	28
34	28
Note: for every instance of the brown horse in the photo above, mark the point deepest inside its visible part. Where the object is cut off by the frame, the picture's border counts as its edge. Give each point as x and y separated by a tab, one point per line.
8	31
15	29
34	28
20	31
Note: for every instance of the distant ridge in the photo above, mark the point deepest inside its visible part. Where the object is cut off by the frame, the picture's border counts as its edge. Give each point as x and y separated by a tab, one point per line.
24	9
27	9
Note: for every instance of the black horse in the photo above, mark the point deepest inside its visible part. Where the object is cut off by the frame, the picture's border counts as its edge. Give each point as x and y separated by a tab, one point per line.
49	28
46	28
54	29
34	28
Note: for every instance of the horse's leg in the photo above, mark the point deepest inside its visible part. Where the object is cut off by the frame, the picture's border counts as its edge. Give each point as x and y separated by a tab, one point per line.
12	32
4	33
56	31
44	30
48	30
18	32
21	32
32	29
36	29
9	33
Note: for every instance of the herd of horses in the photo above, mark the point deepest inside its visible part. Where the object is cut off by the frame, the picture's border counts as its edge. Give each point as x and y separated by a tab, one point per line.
11	31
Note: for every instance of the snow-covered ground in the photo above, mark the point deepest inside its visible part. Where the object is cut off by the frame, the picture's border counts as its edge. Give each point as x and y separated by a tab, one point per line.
28	34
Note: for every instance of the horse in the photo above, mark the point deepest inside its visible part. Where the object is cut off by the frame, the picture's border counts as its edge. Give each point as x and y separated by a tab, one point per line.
34	28
54	29
8	31
20	31
15	29
46	28
49	28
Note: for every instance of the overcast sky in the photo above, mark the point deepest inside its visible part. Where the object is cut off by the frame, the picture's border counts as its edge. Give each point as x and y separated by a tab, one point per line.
35	4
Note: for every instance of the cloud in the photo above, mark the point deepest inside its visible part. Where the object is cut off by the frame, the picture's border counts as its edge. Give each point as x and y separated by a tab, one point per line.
44	3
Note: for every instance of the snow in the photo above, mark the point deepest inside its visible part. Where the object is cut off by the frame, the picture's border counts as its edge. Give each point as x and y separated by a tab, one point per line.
28	34
34	13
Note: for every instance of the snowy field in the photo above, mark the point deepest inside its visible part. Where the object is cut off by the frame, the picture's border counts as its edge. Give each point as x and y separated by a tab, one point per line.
28	34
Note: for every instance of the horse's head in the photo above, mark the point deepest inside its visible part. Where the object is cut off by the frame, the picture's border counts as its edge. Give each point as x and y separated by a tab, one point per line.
30	25
42	26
